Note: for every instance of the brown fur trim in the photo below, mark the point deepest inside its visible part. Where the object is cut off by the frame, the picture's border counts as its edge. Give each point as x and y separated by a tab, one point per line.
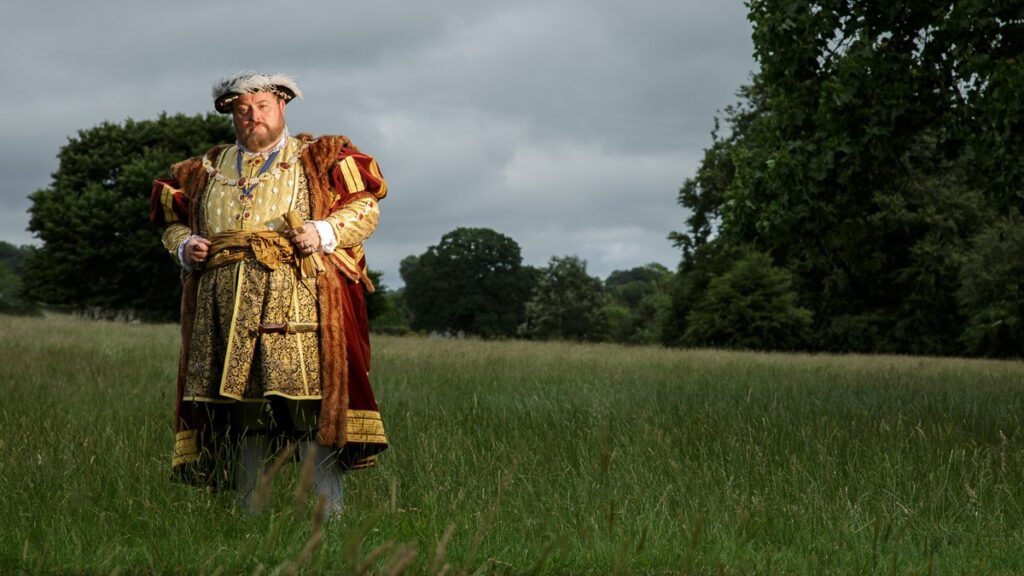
193	179
318	161
333	358
191	174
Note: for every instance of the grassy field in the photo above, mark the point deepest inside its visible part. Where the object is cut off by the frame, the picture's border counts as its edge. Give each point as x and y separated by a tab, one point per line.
515	457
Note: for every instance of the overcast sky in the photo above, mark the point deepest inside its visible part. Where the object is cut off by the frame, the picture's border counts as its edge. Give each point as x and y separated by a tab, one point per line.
567	125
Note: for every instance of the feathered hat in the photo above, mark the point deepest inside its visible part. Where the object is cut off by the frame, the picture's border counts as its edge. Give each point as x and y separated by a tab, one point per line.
226	91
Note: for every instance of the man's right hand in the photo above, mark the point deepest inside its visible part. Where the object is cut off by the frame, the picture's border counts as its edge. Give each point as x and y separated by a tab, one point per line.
196	251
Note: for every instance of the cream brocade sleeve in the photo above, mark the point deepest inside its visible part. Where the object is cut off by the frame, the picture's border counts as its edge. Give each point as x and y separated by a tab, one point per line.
173	236
355	222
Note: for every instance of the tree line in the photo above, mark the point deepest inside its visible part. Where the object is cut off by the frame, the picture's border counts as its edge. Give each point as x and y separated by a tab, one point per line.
863	195
473	282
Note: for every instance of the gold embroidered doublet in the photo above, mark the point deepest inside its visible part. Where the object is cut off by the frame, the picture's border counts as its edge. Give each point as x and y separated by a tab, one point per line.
229	359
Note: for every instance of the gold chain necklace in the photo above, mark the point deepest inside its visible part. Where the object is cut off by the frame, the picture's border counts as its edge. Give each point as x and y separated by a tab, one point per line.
273	173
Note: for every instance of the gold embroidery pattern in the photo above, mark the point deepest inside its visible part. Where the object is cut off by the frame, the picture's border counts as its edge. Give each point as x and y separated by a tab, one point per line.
365	426
186	448
234	300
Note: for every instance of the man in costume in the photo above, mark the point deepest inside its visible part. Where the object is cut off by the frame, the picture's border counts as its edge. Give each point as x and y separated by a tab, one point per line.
275	342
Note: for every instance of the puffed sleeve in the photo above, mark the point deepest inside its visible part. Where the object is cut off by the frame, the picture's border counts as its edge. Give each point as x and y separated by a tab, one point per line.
168	209
358	186
356	173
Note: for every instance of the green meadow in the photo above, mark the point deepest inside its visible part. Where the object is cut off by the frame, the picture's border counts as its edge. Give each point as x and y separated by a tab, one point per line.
531	458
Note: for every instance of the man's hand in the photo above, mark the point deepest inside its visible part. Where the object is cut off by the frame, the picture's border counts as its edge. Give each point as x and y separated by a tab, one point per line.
305	238
196	251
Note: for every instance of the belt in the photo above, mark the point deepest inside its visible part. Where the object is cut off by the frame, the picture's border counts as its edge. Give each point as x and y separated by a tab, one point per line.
270	248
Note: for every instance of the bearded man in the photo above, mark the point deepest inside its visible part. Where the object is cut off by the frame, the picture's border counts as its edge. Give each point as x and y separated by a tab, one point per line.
274	334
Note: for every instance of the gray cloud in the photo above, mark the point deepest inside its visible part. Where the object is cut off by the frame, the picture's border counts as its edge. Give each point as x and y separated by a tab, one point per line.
568	125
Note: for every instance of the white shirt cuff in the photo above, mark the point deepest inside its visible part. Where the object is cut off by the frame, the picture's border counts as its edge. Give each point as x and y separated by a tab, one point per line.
328	241
181	252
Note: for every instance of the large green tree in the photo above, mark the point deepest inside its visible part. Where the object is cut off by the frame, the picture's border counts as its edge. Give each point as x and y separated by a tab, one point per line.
473	281
869	148
638	300
567	303
98	245
751	306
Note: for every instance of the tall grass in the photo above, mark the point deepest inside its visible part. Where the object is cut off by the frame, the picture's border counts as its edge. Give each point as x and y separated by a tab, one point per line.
518	457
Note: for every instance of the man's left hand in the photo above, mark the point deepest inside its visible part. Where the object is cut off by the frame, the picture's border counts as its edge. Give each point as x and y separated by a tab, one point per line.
305	238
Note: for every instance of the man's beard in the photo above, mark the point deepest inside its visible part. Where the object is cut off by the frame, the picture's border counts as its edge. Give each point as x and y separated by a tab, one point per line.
254	139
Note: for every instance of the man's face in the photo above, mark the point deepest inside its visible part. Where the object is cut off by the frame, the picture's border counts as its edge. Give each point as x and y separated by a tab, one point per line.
259	120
